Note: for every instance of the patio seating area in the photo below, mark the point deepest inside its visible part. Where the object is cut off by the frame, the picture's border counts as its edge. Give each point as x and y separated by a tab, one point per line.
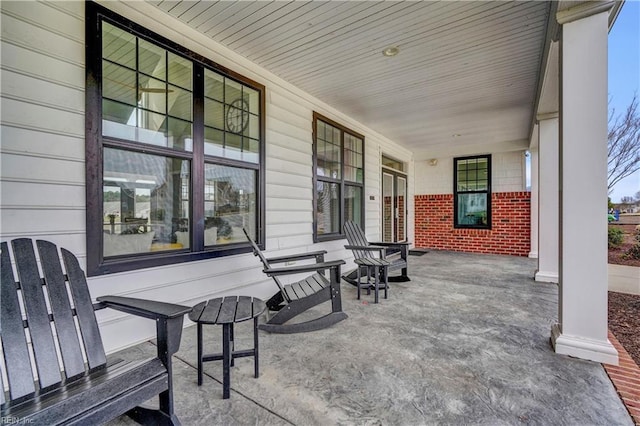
465	342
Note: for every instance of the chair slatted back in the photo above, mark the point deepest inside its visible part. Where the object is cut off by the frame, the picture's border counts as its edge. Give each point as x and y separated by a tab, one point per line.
355	237
45	300
265	263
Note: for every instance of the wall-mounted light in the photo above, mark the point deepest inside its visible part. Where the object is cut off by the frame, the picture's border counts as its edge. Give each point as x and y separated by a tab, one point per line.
433	162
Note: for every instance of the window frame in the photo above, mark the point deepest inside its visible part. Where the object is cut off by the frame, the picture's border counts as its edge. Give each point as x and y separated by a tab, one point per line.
95	143
342	182
487	192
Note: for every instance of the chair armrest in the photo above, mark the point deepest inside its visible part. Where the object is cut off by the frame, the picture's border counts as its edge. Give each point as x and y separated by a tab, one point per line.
382	252
391	244
403	248
303	268
301	256
368	248
144	308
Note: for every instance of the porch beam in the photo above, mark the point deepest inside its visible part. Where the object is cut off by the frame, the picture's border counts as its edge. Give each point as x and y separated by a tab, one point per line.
582	328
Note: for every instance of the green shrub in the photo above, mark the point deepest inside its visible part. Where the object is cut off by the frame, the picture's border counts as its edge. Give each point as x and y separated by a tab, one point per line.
633	252
615	237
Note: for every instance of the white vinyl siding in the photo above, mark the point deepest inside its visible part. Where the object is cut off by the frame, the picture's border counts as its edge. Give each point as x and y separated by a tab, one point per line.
43	173
507	174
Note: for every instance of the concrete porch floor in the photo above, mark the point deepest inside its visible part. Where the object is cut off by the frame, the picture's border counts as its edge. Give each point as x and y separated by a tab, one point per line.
465	342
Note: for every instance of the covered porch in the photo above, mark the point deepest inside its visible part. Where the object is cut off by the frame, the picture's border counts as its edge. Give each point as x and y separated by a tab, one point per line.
465	342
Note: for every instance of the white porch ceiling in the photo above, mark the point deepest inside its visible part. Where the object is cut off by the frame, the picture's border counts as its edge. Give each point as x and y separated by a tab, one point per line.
465	79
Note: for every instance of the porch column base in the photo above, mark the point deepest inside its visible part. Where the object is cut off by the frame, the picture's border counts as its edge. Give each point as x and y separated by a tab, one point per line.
594	350
546	277
533	255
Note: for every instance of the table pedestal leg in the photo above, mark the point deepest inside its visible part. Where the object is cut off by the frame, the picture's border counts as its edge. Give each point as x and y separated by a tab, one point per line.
226	361
199	354
255	347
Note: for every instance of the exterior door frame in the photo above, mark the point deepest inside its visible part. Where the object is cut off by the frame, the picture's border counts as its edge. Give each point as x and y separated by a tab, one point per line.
397	209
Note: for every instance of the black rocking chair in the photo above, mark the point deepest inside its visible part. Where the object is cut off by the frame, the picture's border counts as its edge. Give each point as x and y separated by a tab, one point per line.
395	253
293	299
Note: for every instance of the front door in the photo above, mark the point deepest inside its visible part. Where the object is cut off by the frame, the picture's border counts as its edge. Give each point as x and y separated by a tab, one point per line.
394	206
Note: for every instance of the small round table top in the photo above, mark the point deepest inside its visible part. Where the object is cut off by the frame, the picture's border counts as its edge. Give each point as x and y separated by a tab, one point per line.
227	310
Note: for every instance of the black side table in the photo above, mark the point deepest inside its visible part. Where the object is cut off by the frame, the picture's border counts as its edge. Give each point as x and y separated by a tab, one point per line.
375	267
227	311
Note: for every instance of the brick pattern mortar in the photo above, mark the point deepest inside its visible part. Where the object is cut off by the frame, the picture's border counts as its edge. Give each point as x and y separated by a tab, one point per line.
510	233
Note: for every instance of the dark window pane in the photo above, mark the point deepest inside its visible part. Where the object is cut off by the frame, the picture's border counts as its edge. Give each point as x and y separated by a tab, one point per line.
230	204
353	204
232	91
213	142
213	114
180	134
118	83
328	208
251	150
213	85
472	209
233	146
180	71
152	60
143	206
153	94
180	103
118	46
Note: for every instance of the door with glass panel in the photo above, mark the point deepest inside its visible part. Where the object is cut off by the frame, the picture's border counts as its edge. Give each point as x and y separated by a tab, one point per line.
394	201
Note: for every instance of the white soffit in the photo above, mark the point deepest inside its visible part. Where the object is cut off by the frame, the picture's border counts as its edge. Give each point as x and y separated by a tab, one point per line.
468	69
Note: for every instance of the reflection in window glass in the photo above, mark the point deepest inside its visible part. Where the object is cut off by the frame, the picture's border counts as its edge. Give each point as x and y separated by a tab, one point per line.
353	204
353	162
229	204
143	208
141	101
329	155
472	209
328	208
232	119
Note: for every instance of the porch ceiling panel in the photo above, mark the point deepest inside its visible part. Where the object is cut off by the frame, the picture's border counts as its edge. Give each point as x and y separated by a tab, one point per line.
466	73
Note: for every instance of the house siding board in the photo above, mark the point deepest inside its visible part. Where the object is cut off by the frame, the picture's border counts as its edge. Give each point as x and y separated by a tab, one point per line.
43	176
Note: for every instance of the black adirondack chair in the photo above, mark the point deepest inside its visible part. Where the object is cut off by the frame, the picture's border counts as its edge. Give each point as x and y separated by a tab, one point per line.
396	253
293	299
75	383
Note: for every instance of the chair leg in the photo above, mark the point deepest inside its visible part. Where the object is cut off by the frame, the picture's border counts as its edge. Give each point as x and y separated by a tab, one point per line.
256	365
376	275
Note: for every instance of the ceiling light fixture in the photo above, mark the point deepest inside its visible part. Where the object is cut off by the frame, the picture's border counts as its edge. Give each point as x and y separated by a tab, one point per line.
391	51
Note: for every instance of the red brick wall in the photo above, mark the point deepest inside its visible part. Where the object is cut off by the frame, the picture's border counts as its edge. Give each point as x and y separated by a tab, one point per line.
510	214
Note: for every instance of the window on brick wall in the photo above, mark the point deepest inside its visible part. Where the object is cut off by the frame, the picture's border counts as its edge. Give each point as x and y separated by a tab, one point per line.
472	192
338	157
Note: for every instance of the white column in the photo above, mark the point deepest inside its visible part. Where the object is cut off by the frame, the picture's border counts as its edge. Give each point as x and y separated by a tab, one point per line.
548	147
582	328
533	253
